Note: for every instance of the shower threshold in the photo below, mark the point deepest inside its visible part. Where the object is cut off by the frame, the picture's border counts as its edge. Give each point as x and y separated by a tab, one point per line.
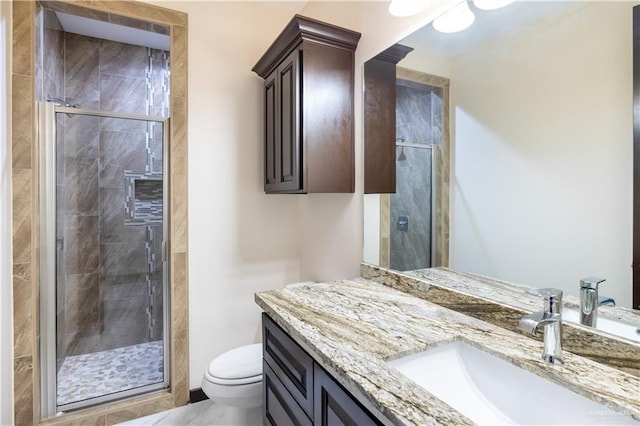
97	374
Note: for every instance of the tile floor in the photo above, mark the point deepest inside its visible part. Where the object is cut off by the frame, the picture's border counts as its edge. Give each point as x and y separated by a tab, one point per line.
202	413
117	369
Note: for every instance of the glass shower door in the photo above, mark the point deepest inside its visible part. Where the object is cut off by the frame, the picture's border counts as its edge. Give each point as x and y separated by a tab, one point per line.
108	298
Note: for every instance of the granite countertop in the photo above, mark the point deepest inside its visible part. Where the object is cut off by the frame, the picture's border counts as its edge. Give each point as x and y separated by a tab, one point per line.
352	327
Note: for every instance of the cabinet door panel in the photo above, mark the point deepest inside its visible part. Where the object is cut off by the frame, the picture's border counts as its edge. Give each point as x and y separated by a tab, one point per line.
279	406
289	82
334	406
271	132
290	362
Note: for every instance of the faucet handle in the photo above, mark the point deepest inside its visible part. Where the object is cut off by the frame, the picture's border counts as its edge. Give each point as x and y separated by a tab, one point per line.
591	282
552	300
550	294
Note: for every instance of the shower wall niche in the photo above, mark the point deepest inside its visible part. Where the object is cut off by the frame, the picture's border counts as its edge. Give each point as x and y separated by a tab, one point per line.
109	291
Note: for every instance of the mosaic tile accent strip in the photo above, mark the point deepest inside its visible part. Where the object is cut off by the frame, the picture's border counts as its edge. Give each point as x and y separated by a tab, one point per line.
157	79
87	376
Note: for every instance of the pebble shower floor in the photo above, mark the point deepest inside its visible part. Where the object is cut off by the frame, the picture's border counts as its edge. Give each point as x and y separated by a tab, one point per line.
96	374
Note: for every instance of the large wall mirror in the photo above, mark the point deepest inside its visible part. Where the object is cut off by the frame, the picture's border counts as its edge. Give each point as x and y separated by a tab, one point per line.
541	133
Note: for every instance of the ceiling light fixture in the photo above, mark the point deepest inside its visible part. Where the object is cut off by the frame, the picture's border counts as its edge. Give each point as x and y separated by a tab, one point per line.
456	19
402	8
491	4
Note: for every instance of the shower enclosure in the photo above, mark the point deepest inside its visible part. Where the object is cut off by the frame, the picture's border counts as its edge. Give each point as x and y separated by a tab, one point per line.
103	244
103	205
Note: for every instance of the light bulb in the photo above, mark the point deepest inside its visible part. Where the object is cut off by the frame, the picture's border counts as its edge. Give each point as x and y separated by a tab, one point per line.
456	19
402	8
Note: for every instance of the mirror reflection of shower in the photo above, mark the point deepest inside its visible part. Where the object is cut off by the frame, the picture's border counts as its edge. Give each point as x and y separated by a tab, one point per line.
103	125
411	209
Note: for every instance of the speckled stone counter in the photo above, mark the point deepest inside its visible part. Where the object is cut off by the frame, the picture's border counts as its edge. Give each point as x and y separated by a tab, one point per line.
502	303
352	327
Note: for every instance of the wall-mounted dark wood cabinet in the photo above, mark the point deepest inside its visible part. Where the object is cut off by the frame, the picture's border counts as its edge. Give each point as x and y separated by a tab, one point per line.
297	390
308	107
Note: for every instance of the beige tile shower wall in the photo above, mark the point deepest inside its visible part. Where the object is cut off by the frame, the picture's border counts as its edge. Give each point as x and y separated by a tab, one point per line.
25	220
24	250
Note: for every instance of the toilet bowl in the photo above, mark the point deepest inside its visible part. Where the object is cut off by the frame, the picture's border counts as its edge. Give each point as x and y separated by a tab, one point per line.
234	378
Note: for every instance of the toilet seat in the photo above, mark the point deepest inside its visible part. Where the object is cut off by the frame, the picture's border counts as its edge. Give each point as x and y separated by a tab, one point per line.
239	366
234	382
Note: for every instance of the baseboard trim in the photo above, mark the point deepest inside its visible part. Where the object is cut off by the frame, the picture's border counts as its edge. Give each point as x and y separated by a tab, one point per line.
197	395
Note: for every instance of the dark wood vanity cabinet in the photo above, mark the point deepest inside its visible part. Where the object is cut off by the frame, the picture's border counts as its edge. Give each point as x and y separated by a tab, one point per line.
298	391
308	107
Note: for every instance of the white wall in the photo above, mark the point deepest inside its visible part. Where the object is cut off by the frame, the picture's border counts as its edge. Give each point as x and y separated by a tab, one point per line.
6	311
241	240
542	192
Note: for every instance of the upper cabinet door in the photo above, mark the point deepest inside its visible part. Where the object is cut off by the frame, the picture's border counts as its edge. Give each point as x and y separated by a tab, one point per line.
290	148
309	74
271	132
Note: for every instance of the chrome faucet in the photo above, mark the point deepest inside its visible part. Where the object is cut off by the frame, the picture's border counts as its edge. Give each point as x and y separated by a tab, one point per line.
551	318
589	300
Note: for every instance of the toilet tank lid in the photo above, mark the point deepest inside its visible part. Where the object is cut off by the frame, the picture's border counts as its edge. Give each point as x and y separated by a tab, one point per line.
238	363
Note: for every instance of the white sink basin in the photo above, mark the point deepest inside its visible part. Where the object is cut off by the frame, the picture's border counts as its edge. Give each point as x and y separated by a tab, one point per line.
489	390
617	328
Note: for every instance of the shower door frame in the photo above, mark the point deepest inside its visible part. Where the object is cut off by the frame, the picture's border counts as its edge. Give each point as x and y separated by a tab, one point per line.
46	139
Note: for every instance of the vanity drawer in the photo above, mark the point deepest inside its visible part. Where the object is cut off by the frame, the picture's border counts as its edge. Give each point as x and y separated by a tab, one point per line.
289	362
334	406
279	406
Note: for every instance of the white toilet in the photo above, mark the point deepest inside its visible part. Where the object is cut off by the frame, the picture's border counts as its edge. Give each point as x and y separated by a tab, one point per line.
234	378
